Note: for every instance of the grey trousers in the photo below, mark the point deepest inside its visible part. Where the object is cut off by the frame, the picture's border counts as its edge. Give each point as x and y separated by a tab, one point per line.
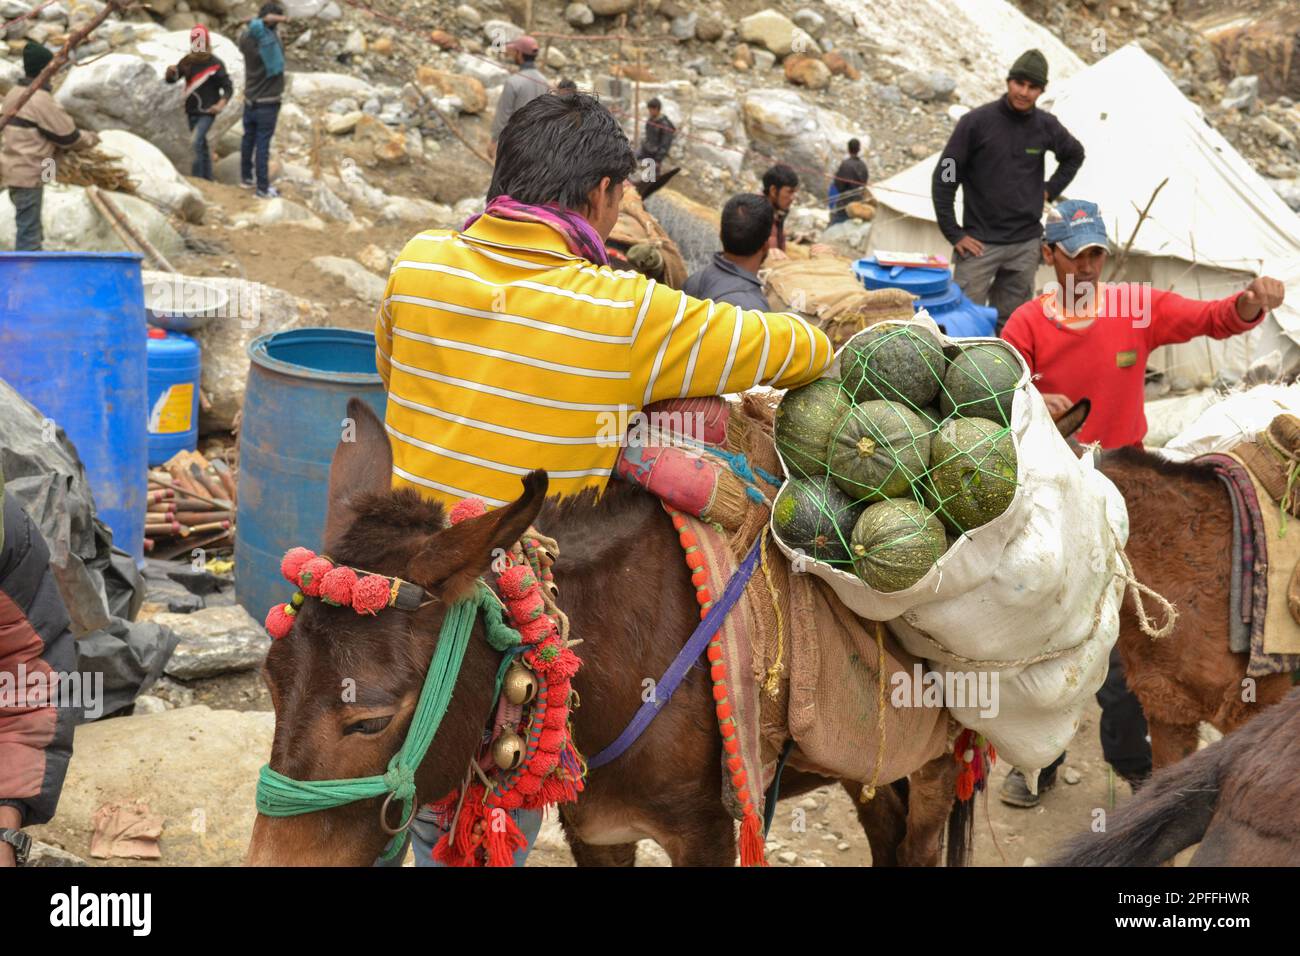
27	217
1002	277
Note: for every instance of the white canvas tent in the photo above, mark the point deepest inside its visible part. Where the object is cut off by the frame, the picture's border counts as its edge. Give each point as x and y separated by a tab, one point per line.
1214	224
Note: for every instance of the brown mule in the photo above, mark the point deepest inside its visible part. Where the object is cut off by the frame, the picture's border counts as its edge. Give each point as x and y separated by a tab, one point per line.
1239	798
1180	545
625	589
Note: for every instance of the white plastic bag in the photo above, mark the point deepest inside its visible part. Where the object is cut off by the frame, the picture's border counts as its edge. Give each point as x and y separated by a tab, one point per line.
1032	595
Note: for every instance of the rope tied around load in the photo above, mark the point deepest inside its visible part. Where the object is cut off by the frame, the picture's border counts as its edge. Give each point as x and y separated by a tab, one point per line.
1136	588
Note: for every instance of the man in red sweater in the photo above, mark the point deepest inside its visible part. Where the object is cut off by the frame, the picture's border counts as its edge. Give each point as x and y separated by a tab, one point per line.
1088	339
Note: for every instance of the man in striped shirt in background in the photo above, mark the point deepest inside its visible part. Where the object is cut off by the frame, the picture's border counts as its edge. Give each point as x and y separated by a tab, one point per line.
512	345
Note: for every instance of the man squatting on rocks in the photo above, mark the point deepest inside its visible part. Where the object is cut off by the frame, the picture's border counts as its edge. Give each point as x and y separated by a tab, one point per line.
28	146
207	91
472	405
996	155
1088	339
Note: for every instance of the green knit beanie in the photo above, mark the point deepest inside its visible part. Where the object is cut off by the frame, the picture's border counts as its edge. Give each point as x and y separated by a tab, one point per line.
36	56
1031	66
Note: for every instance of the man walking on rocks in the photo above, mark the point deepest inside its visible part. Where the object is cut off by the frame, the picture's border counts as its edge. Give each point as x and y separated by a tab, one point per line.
28	146
520	89
996	155
207	91
263	88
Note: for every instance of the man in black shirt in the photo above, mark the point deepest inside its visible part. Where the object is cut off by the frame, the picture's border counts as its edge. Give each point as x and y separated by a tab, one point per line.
996	155
849	183
659	133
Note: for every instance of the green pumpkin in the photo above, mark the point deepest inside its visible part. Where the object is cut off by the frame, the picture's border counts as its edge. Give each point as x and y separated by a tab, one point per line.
895	543
878	449
812	515
898	363
972	475
981	382
805	421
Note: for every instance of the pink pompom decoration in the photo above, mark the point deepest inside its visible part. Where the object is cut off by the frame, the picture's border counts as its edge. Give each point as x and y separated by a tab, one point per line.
537	630
279	622
336	587
370	595
309	578
527	608
292	562
467	508
509	800
551	741
528	784
516	582
564	666
543	762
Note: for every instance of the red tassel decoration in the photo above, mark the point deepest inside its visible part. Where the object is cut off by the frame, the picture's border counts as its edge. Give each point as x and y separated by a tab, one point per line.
292	562
370	595
467	508
279	621
751	842
503	838
336	587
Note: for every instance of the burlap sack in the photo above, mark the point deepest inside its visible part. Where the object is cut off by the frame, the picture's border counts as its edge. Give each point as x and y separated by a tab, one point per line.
635	226
825	289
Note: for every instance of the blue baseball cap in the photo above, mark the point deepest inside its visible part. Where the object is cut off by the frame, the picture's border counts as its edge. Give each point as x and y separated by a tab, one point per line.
1076	225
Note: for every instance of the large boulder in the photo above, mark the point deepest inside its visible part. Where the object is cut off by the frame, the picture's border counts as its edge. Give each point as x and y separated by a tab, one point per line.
776	33
782	124
214	640
468	90
361	282
195	767
318	90
71	221
154	175
126	90
252	309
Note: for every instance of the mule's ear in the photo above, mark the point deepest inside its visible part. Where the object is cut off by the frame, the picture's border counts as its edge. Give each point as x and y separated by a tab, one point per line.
1074	417
363	462
456	557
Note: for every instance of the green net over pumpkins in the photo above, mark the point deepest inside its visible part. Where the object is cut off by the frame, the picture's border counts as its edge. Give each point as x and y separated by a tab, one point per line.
812	515
895	543
878	449
898	363
981	382
972	476
805	422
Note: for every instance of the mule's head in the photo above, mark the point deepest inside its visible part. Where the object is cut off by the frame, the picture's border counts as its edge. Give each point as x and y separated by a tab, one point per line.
344	685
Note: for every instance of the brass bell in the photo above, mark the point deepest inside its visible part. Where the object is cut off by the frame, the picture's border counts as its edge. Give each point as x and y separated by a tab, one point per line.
519	686
508	750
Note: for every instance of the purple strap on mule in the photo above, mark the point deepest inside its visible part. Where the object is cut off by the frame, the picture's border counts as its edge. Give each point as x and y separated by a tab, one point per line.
683	661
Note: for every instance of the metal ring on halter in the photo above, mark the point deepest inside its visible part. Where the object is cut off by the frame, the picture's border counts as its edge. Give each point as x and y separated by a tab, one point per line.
383	817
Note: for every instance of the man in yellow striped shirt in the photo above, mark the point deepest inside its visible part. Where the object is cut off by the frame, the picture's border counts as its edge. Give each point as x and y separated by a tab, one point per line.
512	345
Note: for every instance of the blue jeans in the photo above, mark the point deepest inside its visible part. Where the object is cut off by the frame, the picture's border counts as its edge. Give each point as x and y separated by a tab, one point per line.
27	217
200	123
424	835
259	127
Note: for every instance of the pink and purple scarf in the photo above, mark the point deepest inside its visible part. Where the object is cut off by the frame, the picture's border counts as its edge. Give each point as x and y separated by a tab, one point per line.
578	234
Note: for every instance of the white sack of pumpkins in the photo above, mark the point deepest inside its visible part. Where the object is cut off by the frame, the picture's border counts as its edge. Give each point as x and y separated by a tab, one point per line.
928	485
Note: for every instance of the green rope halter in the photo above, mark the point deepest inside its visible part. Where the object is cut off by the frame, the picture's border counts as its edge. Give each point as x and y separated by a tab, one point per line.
281	796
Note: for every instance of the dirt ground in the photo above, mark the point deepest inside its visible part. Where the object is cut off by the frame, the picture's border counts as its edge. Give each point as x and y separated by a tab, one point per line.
821	828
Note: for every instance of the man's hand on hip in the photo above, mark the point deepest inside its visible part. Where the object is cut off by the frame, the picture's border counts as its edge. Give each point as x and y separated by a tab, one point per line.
969	246
1262	295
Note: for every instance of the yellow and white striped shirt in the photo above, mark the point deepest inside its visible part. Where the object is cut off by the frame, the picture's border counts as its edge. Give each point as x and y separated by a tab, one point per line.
503	352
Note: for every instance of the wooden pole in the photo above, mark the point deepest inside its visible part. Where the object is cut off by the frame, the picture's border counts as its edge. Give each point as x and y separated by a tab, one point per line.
108	208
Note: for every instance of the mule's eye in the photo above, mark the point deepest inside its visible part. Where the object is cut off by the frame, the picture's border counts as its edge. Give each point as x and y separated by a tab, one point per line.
371	725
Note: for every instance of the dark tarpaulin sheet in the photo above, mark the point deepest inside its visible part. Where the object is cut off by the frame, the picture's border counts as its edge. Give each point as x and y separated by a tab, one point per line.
100	584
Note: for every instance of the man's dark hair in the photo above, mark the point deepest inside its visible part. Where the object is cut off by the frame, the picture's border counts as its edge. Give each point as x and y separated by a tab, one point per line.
653	103
271	6
557	149
567	85
779	176
746	224
854	146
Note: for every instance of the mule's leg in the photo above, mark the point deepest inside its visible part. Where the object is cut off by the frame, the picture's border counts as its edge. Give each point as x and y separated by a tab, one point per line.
931	792
1170	743
883	819
707	840
584	854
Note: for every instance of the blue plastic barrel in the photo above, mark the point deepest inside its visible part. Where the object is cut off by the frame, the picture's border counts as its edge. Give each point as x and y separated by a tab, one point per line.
72	342
173	361
918	280
295	401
